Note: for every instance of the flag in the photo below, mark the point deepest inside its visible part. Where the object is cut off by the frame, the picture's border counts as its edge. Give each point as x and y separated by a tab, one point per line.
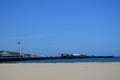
19	43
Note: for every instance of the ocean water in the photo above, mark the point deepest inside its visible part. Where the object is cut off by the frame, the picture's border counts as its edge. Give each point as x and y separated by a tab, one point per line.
115	59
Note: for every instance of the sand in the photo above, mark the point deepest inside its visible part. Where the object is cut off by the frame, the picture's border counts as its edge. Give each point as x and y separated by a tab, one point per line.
60	71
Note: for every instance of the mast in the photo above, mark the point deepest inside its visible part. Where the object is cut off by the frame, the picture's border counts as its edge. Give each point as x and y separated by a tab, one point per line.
20	47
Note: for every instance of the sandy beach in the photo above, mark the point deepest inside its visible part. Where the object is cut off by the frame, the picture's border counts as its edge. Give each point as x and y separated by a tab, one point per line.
60	71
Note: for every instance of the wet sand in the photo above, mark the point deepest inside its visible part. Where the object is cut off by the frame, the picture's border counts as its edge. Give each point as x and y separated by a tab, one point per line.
60	71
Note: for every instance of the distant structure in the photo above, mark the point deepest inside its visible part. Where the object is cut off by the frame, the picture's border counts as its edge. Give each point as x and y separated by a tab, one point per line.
13	54
9	54
73	54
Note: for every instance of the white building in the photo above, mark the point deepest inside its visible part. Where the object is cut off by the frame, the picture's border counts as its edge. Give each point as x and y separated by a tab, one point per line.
6	53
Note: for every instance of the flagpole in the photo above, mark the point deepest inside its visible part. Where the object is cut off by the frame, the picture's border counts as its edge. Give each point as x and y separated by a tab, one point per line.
19	44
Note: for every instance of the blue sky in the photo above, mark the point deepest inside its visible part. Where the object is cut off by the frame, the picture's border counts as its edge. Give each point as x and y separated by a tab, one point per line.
51	27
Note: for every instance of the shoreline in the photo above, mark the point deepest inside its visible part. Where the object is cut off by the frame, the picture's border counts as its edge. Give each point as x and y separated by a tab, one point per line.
56	62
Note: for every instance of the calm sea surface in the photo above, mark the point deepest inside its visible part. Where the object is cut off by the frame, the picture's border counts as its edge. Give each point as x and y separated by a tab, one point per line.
115	59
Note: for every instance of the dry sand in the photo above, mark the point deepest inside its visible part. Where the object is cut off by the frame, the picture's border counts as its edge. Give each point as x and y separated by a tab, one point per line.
60	71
